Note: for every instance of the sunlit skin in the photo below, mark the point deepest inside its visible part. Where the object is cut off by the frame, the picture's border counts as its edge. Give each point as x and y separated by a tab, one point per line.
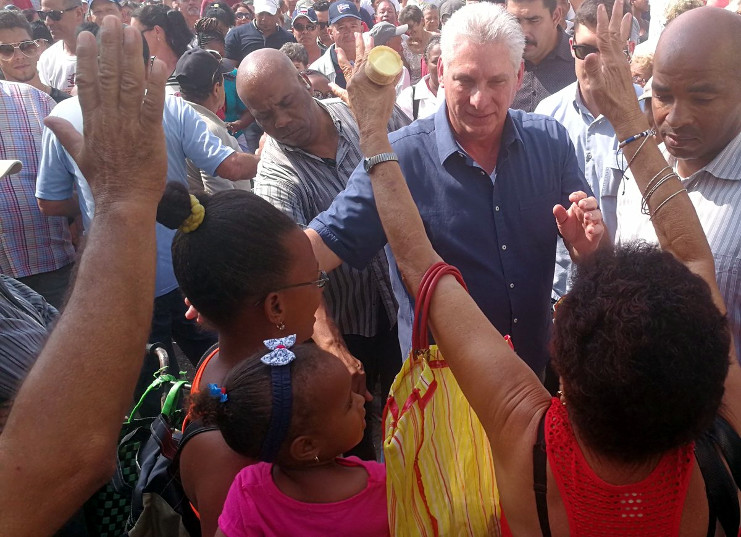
103	8
696	100
343	33
63	29
19	68
539	25
386	12
480	84
267	23
431	19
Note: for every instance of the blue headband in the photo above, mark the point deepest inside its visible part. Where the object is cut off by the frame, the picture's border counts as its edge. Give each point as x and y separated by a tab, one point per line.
279	358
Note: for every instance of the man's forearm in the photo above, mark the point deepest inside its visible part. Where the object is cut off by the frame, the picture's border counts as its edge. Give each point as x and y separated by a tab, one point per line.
69	207
86	373
238	167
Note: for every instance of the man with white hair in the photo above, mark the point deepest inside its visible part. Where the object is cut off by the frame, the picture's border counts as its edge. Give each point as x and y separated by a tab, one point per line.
488	182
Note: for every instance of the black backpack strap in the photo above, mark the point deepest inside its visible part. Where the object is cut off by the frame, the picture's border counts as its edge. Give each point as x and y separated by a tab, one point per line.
729	443
540	479
415	104
719	486
194	427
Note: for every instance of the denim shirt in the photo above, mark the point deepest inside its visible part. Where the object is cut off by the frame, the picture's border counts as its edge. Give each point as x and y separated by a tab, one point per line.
498	229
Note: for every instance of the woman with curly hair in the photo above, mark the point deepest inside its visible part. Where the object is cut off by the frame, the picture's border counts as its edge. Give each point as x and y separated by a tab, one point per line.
640	440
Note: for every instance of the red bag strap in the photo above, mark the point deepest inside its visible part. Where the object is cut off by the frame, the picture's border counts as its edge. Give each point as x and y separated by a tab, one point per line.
420	340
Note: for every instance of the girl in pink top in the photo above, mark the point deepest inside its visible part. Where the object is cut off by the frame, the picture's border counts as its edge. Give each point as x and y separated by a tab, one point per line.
294	409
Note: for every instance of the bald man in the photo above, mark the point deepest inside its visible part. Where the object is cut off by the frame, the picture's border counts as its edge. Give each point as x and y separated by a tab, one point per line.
696	102
312	149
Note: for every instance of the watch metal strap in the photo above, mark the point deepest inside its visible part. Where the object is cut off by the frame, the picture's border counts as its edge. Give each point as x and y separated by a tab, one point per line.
377	159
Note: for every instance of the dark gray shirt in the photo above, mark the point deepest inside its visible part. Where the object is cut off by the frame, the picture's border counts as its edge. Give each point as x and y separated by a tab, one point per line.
554	73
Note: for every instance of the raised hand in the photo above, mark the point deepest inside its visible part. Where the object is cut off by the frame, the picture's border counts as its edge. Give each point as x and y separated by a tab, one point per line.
580	225
122	123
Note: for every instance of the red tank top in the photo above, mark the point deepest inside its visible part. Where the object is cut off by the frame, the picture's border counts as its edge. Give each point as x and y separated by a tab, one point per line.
595	508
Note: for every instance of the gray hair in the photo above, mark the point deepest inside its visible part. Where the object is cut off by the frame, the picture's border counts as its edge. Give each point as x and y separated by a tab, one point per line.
483	23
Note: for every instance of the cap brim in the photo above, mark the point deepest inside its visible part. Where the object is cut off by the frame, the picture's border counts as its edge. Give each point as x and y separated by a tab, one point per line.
10	167
338	19
402	29
302	16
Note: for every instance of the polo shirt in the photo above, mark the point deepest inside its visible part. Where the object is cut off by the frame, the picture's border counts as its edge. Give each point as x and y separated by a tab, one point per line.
241	40
715	192
552	74
186	136
498	229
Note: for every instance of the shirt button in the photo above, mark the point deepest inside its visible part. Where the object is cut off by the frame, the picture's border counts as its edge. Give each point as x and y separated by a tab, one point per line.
512	286
514	320
496	208
482	172
504	246
589	157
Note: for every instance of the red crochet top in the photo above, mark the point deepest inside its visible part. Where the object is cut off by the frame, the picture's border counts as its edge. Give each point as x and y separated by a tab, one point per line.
595	508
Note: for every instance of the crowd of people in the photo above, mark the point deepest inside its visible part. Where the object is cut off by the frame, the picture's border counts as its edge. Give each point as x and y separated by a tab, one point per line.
224	179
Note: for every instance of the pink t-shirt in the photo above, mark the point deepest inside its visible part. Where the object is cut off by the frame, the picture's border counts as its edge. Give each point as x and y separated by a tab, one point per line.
255	507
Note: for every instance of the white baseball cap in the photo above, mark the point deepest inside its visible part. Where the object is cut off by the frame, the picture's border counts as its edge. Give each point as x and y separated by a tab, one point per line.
266	6
9	167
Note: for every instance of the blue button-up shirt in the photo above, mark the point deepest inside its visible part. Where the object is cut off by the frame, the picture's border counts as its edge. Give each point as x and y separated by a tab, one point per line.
498	229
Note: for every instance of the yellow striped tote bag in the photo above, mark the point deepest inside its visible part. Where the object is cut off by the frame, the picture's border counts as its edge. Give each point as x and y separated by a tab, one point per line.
440	474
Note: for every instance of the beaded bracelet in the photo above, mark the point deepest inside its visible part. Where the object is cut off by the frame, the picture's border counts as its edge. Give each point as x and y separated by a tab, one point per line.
649	132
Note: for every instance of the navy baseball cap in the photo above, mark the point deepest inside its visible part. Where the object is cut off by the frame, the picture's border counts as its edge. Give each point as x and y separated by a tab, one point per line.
342	9
306	12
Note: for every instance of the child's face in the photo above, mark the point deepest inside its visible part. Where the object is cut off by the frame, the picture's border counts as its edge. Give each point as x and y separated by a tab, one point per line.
343	410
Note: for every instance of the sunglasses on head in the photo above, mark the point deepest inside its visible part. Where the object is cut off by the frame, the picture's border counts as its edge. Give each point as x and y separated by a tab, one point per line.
55	15
301	27
28	48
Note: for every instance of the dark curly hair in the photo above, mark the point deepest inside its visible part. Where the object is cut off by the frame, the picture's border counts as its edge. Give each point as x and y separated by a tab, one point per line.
244	417
235	255
642	352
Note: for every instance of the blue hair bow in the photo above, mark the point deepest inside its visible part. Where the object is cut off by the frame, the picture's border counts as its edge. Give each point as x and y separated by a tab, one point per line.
215	391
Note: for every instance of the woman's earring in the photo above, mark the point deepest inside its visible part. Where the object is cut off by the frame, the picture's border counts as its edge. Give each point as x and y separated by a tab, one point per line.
280	326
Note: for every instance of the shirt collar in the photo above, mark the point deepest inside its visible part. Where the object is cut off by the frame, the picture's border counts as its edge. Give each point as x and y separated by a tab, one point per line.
447	145
723	166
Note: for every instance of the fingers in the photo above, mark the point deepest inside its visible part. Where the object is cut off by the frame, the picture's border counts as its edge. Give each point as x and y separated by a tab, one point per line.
577	196
132	71
341	57
340	92
68	136
110	61
625	27
86	79
561	215
359	48
154	99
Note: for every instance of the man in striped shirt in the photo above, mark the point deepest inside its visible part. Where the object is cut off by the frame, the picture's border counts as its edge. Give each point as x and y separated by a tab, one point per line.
696	101
312	150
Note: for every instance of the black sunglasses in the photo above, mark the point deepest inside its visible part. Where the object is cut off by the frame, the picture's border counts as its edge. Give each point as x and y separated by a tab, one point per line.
582	51
301	27
28	48
55	15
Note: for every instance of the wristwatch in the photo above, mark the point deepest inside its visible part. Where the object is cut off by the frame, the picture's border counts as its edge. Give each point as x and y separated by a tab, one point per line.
368	163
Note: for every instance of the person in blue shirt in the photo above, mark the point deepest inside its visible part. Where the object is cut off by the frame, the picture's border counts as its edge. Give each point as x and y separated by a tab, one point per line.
488	182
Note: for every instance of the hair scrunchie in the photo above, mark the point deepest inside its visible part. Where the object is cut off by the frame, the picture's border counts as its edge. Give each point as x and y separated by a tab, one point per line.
197	212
